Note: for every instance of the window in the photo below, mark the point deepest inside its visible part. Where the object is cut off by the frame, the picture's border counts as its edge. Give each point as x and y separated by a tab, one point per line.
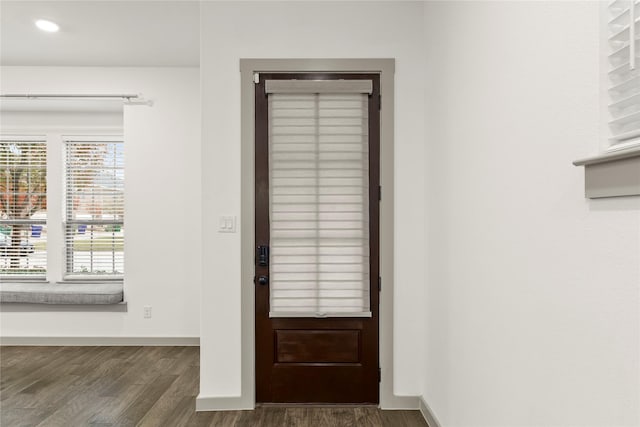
614	172
94	208
319	197
623	34
72	229
23	208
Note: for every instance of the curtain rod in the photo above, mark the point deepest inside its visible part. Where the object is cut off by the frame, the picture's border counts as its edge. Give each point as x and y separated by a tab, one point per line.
129	98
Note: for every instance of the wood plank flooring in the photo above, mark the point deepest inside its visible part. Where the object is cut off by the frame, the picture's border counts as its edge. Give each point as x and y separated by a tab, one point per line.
141	386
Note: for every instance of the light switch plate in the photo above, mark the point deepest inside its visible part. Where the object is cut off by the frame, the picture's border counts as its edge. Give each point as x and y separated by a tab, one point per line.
227	224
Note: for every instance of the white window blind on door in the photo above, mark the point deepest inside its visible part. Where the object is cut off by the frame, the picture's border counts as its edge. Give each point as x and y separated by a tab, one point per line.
624	76
319	204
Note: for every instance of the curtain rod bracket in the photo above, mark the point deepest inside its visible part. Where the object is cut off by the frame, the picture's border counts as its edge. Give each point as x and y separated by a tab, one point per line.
138	101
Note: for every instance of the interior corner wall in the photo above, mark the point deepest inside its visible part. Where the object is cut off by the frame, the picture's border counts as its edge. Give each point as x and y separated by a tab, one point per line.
162	202
234	30
532	296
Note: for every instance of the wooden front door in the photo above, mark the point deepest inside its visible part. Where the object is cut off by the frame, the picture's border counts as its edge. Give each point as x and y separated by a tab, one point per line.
317	239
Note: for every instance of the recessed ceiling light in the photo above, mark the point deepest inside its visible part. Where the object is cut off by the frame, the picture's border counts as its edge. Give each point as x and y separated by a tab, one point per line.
48	26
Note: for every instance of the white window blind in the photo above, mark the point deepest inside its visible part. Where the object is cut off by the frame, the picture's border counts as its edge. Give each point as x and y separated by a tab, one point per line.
624	76
23	208
319	204
94	208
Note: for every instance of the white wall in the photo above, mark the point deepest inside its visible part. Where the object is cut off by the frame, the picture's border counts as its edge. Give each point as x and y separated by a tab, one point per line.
529	292
532	295
57	120
163	208
234	30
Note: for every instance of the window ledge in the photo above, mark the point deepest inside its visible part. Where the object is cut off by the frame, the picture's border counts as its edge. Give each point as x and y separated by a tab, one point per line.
613	174
62	293
609	157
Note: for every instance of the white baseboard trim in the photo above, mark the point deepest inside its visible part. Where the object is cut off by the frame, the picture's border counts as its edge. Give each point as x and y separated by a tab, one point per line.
237	403
394	402
19	307
427	413
101	341
211	403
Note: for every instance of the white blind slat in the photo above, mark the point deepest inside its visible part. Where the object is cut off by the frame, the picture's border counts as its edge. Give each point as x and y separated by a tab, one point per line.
319	207
625	139
619	17
628	105
94	208
23	208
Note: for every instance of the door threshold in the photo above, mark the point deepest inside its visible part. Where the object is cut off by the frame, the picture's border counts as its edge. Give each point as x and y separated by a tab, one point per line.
316	405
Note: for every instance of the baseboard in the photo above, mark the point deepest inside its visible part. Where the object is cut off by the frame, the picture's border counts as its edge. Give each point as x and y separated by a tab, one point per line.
19	307
101	341
427	413
210	403
394	402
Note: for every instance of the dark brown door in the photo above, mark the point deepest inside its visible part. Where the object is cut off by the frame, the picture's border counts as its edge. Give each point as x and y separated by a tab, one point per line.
317	358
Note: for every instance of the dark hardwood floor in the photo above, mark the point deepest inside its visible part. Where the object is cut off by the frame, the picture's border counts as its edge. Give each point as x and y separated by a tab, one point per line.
141	386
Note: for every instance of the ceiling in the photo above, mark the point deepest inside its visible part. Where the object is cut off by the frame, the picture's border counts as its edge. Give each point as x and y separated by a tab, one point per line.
101	33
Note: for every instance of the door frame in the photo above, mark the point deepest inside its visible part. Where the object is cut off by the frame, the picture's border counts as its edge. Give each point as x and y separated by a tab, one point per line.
337	381
385	67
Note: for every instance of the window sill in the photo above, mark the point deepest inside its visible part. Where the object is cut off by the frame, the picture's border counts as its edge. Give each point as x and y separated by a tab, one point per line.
70	294
613	174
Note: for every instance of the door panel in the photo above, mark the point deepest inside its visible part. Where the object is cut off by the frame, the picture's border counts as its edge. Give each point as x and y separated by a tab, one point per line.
313	346
317	359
